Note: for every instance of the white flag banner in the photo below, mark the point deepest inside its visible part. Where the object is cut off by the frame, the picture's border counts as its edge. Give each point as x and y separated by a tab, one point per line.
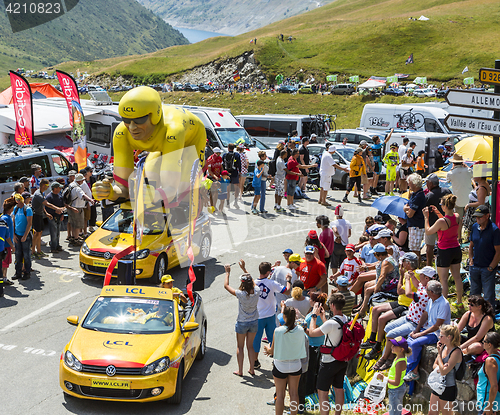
466	69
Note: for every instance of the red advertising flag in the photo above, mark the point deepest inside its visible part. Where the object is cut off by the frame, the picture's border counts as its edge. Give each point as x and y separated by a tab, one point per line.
23	108
69	90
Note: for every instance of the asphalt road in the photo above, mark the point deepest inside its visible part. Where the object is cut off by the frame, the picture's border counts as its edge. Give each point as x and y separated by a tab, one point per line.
33	327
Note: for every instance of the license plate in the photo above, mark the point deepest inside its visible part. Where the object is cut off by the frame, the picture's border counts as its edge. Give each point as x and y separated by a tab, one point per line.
110	384
97	263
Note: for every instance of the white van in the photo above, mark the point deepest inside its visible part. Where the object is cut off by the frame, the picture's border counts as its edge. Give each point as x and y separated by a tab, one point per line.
16	161
271	128
387	116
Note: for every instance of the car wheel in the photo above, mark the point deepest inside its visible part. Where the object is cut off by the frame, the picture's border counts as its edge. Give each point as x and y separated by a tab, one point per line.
203	345
177	396
344	181
205	247
345	93
160	269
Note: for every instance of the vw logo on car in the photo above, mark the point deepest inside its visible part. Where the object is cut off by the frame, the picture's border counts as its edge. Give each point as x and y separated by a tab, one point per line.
111	370
107	255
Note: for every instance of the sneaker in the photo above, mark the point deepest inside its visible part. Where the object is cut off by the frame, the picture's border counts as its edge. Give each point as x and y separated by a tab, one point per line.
255	211
345	200
26	276
374	352
54	251
263	211
256	365
304	196
236	206
16	277
374	192
411	377
292	207
6	281
368	344
42	254
359	199
60	248
281	209
264	340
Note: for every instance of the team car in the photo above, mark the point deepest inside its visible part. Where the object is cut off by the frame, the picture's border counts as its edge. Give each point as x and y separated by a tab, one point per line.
134	343
164	243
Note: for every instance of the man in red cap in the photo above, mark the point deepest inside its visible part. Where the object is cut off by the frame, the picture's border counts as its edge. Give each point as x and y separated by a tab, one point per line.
320	251
312	272
350	266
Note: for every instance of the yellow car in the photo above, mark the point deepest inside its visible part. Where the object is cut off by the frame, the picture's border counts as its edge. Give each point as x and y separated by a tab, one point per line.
134	344
164	243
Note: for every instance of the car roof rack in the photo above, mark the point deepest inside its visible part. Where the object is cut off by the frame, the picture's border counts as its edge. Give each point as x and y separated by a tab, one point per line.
100	98
16	149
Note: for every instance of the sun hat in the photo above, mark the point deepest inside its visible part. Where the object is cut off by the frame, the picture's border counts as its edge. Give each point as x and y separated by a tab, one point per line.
427	271
166	278
410	256
332	149
79	177
245	277
295	258
384	233
342	281
339	210
363	143
24	180
224	173
309	249
71	172
378	248
440	147
457	159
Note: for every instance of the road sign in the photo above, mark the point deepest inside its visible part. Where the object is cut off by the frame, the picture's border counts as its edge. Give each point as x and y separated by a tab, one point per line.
472	99
484	126
491	76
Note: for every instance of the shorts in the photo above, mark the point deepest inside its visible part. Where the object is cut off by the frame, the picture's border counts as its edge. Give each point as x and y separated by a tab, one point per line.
331	374
76	219
377	167
370	175
415	236
235	179
338	255
256	191
430	239
303	172
38	223
354	181
447	257
404	173
86	213
290	188
398	309
222	196
279	187
325	182
8	257
244	327
449	394
390	174
280	375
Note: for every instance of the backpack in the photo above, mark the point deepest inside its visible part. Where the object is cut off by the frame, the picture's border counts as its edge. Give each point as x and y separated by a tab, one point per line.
16	209
350	343
229	161
460	372
66	195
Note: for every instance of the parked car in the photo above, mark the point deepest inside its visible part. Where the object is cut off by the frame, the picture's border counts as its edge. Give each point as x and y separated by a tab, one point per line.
306	89
178	86
205	88
191	87
393	91
287	89
354	136
343	89
424	93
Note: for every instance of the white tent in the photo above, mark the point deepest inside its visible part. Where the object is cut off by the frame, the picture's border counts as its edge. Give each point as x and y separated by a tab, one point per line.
372	83
423	18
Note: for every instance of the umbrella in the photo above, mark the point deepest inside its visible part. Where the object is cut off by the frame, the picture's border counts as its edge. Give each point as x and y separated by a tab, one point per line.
476	148
393	205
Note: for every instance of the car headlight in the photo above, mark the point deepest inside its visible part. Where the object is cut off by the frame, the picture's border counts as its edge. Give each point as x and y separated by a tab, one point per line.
157	366
72	362
143	253
85	249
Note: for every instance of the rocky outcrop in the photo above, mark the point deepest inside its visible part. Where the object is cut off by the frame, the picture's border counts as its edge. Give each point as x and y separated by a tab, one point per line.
466	399
222	71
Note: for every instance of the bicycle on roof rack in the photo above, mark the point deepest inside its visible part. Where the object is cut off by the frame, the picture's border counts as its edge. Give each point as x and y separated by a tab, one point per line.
322	124
410	120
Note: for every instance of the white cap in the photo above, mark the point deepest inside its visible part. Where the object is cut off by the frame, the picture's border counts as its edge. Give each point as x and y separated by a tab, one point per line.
332	149
427	271
313	135
216	150
384	233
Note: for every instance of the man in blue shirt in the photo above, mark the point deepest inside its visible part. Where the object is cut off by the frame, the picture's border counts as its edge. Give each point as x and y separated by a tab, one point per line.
484	255
413	210
377	148
23	220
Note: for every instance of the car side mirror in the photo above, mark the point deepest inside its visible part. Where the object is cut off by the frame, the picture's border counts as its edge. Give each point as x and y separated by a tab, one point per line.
73	320
189	327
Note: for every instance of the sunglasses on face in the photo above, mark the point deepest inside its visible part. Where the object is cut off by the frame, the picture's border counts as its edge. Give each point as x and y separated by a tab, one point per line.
138	121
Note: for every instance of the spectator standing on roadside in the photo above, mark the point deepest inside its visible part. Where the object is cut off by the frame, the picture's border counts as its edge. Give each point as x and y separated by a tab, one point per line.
36	171
244	167
484	255
421	166
327	238
214	168
90	180
292	177
279	181
27	184
55	218
377	147
439	158
304	159
23	220
342	232
391	161
71	179
407	164
326	171
8	207
433	200
38	205
413	210
75	210
357	169
460	178
312	272
87	211
231	162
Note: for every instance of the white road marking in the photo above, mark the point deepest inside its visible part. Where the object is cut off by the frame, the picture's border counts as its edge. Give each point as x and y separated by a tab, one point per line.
39	311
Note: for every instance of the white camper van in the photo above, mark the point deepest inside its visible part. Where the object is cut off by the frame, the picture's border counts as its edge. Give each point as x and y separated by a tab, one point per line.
412	117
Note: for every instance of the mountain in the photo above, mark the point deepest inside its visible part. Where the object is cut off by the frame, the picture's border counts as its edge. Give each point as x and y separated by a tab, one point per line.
90	30
232	17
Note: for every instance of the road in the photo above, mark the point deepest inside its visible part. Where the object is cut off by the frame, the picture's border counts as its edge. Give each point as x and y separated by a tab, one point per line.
34	331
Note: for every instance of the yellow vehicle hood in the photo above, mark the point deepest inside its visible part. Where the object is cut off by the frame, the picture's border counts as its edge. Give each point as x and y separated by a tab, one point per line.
121	350
103	240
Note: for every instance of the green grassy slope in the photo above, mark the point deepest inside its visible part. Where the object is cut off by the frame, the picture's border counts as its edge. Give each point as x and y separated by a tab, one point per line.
91	30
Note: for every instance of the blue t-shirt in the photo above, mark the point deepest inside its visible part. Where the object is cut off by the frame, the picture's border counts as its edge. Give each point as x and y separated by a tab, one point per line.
484	243
21	220
256	181
377	152
4	234
439	309
223	184
366	256
417	203
315	341
8	220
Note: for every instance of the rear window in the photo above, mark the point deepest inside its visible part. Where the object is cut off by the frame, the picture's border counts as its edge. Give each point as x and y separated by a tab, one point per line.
99	134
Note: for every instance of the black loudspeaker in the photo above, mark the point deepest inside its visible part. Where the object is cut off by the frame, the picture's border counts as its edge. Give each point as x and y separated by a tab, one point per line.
126	274
199	272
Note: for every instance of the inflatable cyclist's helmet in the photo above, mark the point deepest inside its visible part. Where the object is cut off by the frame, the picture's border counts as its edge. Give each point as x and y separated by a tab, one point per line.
139	102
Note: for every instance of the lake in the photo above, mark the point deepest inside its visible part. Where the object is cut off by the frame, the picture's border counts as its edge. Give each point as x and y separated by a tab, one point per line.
194	35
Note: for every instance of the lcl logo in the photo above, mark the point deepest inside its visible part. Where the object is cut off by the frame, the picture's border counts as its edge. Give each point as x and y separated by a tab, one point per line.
128	109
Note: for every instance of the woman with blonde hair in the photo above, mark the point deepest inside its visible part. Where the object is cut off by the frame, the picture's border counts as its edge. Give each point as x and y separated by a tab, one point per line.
448	228
298	300
448	360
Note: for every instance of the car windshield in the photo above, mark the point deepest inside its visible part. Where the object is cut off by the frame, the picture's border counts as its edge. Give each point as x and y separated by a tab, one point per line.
131	315
347	153
122	222
234	135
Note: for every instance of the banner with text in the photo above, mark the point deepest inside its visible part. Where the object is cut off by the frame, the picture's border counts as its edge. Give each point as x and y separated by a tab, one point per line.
69	90
392	79
469	81
331	78
354	78
23	109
